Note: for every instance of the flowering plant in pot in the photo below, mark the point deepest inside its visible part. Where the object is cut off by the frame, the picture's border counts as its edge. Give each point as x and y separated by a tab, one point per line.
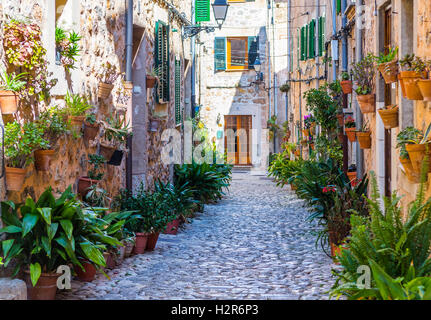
388	65
67	48
364	137
116	132
20	142
94	174
76	107
413	69
10	86
107	77
346	83
406	136
45	234
389	115
350	128
363	73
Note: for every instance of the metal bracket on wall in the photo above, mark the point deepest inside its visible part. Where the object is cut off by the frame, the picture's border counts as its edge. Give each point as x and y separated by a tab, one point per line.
191	31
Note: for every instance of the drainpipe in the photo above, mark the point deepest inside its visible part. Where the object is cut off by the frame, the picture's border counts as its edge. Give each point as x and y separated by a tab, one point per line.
128	78
289	52
269	63
344	38
334	33
193	67
359	56
275	74
317	44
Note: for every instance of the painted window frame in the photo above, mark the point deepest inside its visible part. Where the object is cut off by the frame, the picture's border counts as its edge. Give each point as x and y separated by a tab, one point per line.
229	66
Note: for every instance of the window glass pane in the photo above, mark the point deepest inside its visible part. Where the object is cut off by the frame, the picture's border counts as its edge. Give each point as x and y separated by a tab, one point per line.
238	52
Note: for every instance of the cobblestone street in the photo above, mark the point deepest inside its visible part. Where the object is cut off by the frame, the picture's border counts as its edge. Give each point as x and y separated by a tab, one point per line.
254	244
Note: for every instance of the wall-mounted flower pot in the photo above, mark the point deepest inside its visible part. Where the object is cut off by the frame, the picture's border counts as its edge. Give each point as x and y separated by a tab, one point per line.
90	131
154	125
104	90
389	117
417	154
389	71
346	86
116	158
42	159
150	81
351	175
89	272
140	243
76	121
340	118
367	103
425	88
172	227
107	151
45	288
351	134
412	176
152	241
287	136
8	102
110	262
312	146
409	84
297	153
364	139
84	183
15	178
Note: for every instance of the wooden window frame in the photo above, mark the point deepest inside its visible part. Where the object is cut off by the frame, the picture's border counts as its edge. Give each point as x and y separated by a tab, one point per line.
229	67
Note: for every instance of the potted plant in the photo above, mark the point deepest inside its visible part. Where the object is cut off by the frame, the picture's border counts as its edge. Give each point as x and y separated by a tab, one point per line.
287	132
364	137
425	83
285	88
76	106
346	83
152	78
94	174
10	86
106	80
363	73
350	128
67	48
388	66
116	132
351	173
20	141
389	115
413	69
51	123
91	127
406	136
45	234
418	147
307	125
272	126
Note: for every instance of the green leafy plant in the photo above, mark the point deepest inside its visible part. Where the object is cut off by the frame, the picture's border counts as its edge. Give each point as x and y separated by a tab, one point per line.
117	130
323	107
345	76
95	161
12	82
90	118
52	122
67	47
350	122
363	73
285	88
406	136
389	57
97	197
109	74
76	105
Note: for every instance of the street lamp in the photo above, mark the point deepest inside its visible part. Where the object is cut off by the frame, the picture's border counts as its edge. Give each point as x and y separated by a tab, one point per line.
220	8
258	67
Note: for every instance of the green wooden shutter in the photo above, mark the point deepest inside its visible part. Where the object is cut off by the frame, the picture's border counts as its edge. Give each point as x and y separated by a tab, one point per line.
321	36
202	10
178	110
312	39
338	6
253	51
307	39
298	49
162	61
219	54
303	43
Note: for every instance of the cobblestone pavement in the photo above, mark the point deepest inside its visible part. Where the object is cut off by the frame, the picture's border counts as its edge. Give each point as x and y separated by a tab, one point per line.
254	244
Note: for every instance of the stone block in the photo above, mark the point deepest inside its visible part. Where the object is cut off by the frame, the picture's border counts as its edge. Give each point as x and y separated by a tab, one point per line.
12	289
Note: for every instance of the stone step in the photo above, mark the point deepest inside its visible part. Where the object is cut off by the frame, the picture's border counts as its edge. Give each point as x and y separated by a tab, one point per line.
12	289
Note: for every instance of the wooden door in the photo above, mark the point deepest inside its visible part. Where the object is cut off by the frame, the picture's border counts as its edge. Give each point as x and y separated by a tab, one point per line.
238	139
388	101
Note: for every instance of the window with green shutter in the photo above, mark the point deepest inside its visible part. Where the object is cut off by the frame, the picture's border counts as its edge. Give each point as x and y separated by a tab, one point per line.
303	44
178	109
338	6
220	54
202	10
312	39
321	36
162	61
306	43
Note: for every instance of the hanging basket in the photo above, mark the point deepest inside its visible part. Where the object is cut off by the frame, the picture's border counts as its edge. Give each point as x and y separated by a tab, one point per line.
409	86
351	134
346	86
389	117
412	176
364	139
367	103
8	102
352	176
105	90
389	71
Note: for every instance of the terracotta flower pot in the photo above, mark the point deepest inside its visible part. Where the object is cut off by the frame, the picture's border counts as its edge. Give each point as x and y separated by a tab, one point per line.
152	241
140	243
150	81
107	151
46	286
425	88
389	71
128	248
417	154
312	146
340	118
293	187
110	262
351	134
336	251
77	121
364	139
306	132
89	272
412	176
42	159
172	227
351	175
389	117
8	102
346	86
409	84
84	183
367	103
90	131
15	178
104	90
297	153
